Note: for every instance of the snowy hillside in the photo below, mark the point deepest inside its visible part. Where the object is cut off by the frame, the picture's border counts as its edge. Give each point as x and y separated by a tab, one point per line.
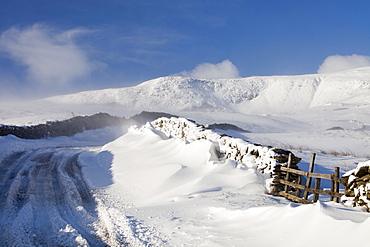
246	95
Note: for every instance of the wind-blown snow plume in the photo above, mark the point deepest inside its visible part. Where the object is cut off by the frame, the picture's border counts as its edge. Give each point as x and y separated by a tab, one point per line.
339	63
49	56
224	70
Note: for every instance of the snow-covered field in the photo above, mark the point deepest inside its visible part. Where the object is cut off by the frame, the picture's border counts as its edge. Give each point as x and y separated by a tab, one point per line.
139	187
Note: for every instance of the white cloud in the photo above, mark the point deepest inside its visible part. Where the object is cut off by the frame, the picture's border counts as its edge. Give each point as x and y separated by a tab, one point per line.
339	63
50	57
224	70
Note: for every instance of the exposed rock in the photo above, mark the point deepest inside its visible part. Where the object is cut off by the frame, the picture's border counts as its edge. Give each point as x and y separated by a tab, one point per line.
76	125
357	184
226	126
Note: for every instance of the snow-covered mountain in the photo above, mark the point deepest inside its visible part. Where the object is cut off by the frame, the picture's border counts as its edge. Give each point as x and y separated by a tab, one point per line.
247	95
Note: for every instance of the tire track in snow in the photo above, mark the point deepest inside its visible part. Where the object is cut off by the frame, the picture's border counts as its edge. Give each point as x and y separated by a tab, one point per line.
44	200
42	222
82	198
73	169
9	168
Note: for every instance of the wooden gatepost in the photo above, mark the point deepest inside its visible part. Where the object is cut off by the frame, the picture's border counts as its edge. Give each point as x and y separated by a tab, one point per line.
293	188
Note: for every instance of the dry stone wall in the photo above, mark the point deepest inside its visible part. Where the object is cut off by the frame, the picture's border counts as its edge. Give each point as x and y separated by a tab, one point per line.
357	184
263	158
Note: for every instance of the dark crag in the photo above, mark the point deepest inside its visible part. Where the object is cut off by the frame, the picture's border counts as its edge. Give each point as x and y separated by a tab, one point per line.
72	126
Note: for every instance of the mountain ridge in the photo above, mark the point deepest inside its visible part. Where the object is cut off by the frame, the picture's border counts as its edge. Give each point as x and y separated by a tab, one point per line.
250	94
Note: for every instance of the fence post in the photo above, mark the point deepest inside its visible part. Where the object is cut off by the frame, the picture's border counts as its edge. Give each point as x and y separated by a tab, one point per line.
335	185
317	187
309	179
287	173
298	192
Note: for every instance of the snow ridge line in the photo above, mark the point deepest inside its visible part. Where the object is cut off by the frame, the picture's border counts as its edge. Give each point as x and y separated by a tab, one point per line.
260	157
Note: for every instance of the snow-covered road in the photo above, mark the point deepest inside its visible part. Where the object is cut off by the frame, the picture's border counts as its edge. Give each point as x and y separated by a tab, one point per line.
44	200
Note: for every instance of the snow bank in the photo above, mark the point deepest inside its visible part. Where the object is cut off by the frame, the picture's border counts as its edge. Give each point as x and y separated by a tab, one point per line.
319	224
154	169
184	137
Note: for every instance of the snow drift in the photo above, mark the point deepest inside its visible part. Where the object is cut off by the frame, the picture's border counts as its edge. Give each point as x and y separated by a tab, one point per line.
155	169
180	188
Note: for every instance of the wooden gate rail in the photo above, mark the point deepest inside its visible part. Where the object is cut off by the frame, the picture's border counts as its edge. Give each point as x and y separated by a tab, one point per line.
333	193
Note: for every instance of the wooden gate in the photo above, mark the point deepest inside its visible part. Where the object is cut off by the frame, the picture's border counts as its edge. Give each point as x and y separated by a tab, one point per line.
296	193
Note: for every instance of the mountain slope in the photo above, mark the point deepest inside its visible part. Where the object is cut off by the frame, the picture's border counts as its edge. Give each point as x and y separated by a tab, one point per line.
251	94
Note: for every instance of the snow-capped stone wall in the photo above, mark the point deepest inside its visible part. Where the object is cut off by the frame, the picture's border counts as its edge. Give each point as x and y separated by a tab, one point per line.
357	183
250	155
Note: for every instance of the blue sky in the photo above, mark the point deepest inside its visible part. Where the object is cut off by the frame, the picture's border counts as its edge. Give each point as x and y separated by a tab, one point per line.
64	46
